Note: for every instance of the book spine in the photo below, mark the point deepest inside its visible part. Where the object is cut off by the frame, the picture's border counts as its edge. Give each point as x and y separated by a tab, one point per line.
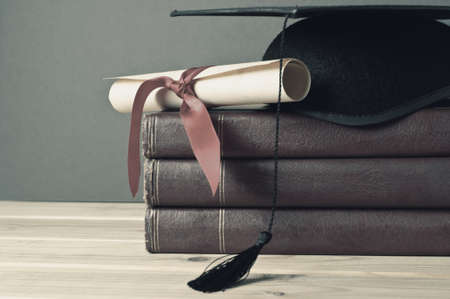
314	183
246	134
301	231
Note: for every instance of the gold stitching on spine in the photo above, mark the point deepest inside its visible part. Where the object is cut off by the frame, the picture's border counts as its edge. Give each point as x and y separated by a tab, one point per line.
152	127
157	182
220	231
150	135
221	116
152	219
219	187
153	182
221	194
157	230
148	234
222	179
219	124
152	235
145	141
221	211
154	135
223	232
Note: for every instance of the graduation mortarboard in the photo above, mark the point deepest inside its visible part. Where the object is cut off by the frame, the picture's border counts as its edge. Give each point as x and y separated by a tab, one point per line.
369	64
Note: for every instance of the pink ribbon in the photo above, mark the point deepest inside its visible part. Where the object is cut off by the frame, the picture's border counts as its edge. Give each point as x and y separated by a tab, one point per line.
196	121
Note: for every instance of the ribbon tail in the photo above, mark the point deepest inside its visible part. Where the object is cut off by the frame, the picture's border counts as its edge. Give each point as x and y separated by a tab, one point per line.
134	165
203	138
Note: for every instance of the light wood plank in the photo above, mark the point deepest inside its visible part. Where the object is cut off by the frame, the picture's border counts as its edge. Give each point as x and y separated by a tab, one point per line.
69	228
56	253
76	209
133	254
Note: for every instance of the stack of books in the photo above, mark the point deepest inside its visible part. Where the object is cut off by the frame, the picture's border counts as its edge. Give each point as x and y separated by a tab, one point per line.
377	190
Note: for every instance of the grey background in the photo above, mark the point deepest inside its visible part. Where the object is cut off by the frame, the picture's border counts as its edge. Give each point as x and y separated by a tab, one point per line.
60	140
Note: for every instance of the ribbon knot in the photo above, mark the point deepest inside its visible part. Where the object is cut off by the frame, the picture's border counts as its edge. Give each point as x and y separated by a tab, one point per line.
179	87
196	121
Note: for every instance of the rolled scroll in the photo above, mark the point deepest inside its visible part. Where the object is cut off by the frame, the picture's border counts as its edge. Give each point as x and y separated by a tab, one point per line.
225	85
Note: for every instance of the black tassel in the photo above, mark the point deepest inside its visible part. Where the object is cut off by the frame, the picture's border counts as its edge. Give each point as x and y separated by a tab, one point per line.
230	271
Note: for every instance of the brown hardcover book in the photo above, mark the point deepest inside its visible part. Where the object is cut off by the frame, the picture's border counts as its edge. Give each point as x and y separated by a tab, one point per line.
345	183
249	134
301	231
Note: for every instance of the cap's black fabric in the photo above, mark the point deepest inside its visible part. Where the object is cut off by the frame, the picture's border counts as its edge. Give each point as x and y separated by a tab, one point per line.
367	68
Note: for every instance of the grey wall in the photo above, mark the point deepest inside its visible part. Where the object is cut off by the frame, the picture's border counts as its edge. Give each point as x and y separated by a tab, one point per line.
59	137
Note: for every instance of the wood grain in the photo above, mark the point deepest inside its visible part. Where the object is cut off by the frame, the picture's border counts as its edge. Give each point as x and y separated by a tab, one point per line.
96	250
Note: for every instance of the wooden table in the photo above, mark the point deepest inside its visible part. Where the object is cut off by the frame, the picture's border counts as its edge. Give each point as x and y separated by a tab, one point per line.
96	250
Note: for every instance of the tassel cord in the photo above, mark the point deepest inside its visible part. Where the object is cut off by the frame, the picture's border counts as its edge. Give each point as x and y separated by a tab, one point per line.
277	129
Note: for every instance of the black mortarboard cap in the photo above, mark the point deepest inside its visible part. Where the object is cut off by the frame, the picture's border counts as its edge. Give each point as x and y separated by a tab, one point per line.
368	64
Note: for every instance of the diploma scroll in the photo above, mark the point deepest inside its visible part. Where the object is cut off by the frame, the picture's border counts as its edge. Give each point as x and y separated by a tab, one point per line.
225	85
